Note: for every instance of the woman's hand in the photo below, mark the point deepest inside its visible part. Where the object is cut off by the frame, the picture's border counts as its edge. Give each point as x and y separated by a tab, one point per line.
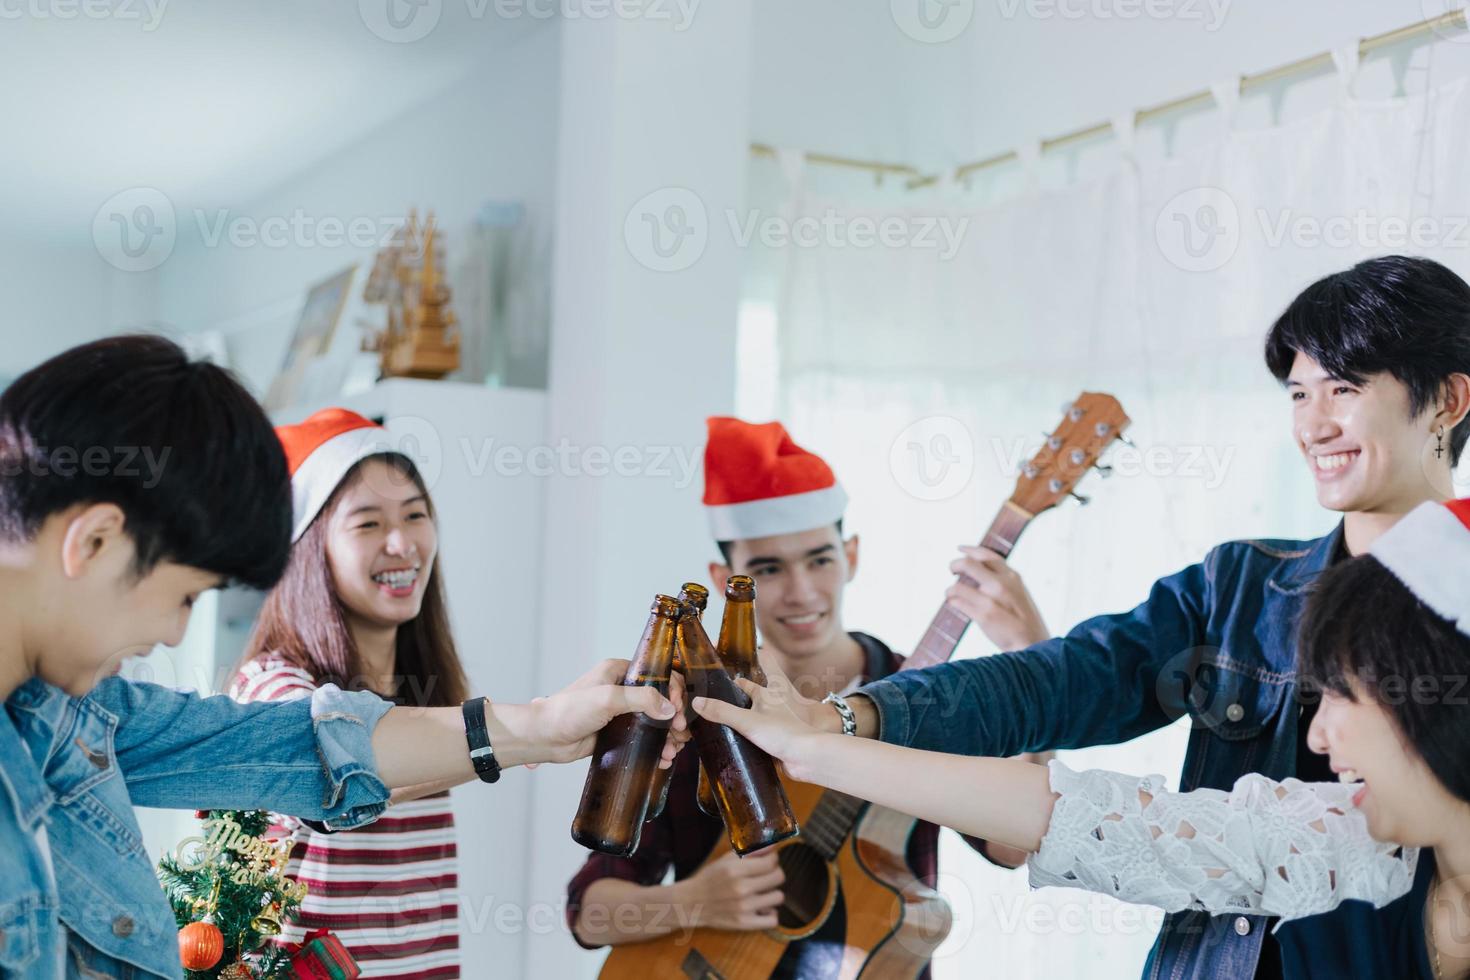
774	721
567	722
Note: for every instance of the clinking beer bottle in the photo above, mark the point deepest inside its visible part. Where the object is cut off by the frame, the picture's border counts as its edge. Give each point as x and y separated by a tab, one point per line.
737	652
747	789
626	755
695	595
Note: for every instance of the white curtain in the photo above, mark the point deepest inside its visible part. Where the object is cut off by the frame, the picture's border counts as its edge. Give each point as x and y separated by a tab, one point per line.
922	378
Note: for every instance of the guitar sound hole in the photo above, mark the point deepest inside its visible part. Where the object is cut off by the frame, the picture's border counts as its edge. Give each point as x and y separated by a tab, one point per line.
805	888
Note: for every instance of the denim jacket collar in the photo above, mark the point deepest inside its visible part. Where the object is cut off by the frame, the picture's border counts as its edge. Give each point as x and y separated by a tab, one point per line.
19	774
1302	568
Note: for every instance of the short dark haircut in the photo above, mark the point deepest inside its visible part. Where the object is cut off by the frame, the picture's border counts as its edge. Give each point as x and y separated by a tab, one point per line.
180	447
1362	624
725	546
1407	316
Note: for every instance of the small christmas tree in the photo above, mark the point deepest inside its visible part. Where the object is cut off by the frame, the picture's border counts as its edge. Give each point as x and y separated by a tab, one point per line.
230	894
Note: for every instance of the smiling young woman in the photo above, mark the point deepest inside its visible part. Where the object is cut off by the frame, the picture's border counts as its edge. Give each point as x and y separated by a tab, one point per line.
362	606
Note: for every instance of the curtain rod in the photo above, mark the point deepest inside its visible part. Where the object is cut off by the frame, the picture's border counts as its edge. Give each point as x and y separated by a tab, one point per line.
1315	64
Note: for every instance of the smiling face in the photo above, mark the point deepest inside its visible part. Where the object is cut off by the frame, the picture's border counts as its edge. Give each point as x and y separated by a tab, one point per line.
97	610
799	579
381	544
1364	446
1398	794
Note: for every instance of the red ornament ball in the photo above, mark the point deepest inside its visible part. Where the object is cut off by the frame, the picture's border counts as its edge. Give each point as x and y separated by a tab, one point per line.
201	945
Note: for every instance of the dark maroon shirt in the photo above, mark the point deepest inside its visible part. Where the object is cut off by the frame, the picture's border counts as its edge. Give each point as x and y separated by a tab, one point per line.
683	836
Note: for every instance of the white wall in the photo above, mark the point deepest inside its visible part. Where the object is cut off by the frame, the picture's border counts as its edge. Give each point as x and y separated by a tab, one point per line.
491	137
59	295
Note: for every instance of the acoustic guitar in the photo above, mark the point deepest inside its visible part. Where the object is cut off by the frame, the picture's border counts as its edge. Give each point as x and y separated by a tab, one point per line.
852	908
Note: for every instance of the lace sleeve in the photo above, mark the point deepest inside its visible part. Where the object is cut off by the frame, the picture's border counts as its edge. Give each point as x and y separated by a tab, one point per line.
1289	849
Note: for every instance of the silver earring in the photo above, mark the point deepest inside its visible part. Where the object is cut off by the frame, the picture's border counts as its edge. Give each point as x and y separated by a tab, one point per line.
1439	443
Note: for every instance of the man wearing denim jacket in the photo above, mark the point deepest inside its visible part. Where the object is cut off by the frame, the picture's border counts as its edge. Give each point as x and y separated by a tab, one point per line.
130	481
1376	363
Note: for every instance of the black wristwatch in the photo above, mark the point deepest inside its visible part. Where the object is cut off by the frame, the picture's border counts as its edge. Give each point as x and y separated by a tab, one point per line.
475	732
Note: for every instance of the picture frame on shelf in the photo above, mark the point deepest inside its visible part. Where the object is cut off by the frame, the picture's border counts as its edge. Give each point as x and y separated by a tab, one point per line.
313	365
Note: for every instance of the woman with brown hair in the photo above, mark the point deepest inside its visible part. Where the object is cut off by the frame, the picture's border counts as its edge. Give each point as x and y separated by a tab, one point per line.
362	606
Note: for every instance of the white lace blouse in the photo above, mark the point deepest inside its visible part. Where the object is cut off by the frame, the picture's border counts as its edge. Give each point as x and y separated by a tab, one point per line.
1288	849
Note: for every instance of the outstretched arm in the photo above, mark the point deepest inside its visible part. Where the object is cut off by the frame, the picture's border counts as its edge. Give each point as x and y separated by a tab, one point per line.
1288	849
1004	800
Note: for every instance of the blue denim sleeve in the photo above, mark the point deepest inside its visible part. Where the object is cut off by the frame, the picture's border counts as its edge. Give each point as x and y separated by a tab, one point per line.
1097	685
308	758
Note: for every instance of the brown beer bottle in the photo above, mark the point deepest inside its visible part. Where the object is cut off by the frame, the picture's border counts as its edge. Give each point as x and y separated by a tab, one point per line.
695	595
746	787
737	652
626	755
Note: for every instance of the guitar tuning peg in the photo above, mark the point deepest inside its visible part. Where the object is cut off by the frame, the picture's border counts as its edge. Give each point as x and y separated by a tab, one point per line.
1126	441
1106	471
1052	442
1084	501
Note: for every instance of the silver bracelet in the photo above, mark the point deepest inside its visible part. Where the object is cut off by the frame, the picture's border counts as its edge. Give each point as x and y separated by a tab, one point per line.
844	711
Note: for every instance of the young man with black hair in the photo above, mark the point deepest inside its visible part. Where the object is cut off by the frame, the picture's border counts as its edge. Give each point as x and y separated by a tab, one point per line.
1376	364
101	558
775	511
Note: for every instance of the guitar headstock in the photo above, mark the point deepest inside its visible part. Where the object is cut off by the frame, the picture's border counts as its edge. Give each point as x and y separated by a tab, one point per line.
1089	426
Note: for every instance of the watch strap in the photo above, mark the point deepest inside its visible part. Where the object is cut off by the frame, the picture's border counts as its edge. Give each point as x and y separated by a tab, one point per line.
477	734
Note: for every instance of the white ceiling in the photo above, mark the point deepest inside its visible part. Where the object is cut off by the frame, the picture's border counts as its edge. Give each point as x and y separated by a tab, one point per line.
209	99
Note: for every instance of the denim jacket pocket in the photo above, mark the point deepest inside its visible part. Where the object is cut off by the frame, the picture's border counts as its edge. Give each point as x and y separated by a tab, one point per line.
20	933
1234	700
87	755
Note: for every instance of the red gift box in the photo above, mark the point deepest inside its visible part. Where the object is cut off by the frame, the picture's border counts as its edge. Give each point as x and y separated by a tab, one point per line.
323	957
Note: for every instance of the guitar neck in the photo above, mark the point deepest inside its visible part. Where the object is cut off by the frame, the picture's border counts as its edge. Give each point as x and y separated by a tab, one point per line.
948	625
835	814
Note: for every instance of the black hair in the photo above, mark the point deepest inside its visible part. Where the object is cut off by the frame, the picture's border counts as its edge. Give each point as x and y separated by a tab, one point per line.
1361	624
725	546
1407	316
180	447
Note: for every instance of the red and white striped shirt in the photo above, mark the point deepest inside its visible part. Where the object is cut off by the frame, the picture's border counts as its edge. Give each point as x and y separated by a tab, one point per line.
388	890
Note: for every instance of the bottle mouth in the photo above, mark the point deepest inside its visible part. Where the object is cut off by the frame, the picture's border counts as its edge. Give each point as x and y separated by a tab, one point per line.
740	587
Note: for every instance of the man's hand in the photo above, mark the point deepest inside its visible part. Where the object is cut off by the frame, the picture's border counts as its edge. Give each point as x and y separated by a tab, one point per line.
736	893
567	723
999	602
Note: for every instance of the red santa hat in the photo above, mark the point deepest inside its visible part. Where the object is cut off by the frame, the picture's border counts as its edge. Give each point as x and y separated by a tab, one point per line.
1429	551
320	451
758	482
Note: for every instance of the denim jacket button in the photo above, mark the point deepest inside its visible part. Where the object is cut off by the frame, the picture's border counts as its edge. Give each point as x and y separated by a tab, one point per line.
122	927
1242	926
1235	712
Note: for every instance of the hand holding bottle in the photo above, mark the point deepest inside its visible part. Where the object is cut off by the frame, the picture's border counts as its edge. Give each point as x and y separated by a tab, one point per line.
774	721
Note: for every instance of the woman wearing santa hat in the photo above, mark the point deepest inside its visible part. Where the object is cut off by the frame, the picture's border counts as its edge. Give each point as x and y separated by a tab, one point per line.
1370	876
362	606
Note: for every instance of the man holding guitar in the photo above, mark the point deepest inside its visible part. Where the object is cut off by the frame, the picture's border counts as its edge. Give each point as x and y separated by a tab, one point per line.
776	512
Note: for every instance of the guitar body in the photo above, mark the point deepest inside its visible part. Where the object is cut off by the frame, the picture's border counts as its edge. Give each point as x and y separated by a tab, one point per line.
863	912
849	896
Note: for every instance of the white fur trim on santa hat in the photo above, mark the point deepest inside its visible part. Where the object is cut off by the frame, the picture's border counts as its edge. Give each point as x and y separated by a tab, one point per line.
777	515
318	475
1429	551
